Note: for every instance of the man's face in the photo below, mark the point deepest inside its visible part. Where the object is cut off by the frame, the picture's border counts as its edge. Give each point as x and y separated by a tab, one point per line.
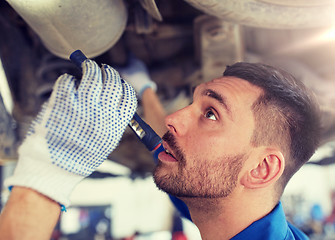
208	141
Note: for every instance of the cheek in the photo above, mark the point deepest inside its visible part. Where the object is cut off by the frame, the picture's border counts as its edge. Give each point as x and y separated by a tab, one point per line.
203	148
232	142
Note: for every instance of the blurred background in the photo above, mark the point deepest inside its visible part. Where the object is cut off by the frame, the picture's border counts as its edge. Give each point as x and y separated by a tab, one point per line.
183	43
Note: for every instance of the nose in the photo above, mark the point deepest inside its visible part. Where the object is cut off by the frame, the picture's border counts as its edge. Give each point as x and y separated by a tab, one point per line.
178	123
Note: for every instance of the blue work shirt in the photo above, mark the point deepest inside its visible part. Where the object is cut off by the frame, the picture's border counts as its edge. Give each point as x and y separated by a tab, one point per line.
273	226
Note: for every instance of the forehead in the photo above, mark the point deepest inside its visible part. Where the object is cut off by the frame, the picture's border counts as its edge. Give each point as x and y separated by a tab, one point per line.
232	89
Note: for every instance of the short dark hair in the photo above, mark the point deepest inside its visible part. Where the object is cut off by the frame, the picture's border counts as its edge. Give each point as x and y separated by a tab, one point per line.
286	114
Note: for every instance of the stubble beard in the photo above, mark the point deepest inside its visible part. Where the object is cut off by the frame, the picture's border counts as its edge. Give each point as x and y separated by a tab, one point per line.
207	179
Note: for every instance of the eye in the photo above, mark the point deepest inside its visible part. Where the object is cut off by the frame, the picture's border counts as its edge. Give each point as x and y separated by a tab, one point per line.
210	115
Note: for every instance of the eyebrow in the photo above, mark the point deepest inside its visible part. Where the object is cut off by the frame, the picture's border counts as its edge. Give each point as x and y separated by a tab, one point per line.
218	97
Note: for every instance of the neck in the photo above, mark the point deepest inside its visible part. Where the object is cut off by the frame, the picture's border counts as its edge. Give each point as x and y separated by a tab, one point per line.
223	218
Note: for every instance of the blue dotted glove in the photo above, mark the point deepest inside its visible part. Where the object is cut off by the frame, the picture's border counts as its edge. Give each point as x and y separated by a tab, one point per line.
75	131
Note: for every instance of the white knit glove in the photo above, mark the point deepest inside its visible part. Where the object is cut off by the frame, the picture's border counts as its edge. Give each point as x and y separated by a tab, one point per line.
136	74
74	132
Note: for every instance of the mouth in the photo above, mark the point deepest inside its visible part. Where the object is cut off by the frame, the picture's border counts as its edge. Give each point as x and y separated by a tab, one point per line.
167	155
168	152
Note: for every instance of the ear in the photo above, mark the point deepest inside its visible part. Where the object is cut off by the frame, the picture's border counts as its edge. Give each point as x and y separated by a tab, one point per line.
268	171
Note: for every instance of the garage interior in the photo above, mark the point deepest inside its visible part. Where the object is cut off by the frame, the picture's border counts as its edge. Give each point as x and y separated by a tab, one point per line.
183	43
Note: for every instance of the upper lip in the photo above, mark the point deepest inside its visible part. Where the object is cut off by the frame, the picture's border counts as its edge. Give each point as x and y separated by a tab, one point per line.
167	147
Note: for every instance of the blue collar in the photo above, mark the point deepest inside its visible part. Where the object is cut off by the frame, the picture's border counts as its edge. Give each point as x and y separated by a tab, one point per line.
271	227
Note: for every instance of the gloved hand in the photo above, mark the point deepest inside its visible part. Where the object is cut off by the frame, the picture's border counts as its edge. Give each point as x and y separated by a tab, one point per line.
136	73
74	132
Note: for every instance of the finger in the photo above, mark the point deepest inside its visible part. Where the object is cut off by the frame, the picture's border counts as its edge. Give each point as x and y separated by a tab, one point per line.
91	82
63	89
128	103
112	87
63	96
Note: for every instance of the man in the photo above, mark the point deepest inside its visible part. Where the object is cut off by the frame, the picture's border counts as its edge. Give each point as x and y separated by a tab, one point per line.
231	152
228	155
